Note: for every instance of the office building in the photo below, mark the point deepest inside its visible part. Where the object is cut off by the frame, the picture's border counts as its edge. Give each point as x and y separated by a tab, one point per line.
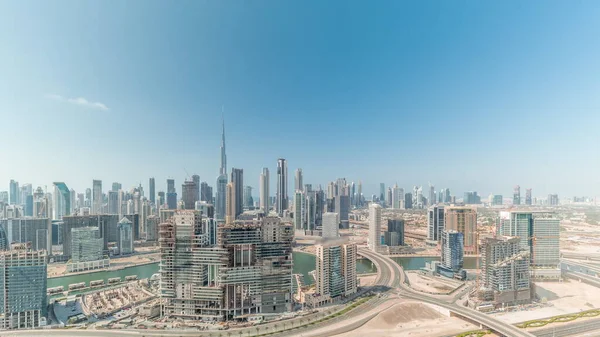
342	207
161	198
435	223
248	200
359	196
553	199
230	204
113	202
171	201
447	197
497	200
517	195
374	240
152	187
97	199
394	236
237	178
299	211
247	271
196	180
189	194
23	279
452	250
331	223
117	186
504	274
4	243
471	198
408	198
397	197
335	272
463	220
431	195
27	229
221	197
106	224
206	192
62	200
528	197
298	184
87	250
152	223
264	190
125	237
382	193
282	186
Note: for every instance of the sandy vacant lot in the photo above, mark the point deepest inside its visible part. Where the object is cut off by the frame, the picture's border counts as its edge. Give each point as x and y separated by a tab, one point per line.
411	319
431	284
565	297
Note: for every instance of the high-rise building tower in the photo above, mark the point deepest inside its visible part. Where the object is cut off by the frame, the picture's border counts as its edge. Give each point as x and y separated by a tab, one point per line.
359	200
435	223
248	200
62	200
189	194
528	197
223	169
206	192
517	195
97	200
382	193
463	220
452	250
171	186
221	196
335	272
14	192
282	186
23	275
408	199
152	187
394	236
431	195
196	180
298	184
374	226
264	190
237	178
116	187
397	197
299	210
230	204
331	223
505	272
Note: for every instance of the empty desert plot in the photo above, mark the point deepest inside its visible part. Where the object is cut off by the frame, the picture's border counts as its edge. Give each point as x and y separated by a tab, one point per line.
412	319
431	284
566	297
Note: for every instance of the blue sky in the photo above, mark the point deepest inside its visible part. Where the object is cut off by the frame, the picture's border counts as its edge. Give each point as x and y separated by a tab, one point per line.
470	95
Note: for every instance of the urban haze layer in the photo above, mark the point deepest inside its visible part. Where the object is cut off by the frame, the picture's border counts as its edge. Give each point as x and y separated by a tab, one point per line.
312	262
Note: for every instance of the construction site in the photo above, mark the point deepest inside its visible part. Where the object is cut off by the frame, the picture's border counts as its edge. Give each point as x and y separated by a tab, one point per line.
107	302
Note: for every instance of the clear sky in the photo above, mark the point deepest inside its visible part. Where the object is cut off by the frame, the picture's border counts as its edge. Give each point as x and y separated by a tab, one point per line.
470	95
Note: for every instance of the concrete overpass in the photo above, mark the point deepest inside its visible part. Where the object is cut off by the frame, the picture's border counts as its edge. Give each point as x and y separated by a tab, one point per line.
396	281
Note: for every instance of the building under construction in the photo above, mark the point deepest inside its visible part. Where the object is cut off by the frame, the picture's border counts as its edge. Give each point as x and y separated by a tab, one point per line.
245	269
504	278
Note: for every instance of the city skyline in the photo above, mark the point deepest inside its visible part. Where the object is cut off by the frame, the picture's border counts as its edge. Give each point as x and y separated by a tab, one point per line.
84	82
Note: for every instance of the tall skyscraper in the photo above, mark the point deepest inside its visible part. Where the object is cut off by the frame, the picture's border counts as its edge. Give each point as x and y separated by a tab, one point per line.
97	200
394	236
206	192
452	250
113	202
397	197
196	180
264	190
431	195
237	178
23	274
62	200
447	195
248	200
435	223
282	186
382	193
298	184
505	272
335	272
152	187
463	220
331	223
359	194
125	236
374	226
171	186
539	234
189	194
221	197
517	195
117	186
230	203
528	197
299	210
14	192
408	199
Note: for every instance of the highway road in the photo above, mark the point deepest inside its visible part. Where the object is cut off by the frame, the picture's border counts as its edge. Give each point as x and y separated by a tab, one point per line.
569	329
397	277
